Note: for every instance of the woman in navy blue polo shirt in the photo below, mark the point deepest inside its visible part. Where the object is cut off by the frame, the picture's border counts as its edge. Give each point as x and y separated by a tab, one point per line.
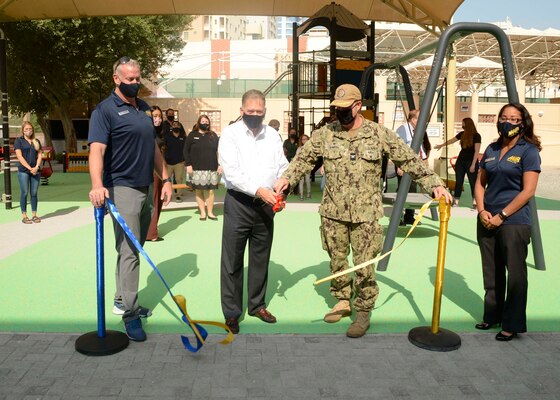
28	152
507	180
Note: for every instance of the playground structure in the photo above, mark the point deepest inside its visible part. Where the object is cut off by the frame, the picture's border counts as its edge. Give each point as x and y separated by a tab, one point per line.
322	82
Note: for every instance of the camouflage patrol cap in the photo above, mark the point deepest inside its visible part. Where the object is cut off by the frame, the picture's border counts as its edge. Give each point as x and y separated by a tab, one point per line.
345	95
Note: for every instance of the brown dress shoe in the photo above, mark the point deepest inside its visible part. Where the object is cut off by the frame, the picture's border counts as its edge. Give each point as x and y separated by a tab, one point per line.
264	315
233	325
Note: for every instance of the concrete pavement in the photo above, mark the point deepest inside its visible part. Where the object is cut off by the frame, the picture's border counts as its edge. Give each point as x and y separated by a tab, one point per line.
377	366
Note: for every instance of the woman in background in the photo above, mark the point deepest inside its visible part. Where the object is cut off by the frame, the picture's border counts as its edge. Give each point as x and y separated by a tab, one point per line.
467	160
201	159
507	180
153	235
28	152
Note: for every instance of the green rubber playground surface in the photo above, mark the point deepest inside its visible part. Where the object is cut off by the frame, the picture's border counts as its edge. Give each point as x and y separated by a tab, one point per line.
50	286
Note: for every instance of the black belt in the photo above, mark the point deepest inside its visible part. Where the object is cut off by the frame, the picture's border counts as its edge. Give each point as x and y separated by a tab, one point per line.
245	198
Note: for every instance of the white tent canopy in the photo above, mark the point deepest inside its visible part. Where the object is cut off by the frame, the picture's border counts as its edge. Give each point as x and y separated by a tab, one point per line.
430	15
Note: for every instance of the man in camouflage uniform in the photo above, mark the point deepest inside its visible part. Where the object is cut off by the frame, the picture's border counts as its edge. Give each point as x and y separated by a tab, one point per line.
352	150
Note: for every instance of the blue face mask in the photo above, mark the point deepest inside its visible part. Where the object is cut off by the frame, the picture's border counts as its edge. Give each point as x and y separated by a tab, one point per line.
509	130
129	90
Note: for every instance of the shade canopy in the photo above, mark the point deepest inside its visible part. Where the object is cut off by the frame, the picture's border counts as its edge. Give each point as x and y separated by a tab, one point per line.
431	15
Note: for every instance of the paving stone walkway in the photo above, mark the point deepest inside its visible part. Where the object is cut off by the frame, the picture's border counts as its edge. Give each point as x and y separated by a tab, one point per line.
377	366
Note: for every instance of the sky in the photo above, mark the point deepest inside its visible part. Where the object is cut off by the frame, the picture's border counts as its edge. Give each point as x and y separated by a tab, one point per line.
539	14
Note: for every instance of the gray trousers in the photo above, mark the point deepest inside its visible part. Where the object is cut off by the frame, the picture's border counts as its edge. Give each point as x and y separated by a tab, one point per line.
135	206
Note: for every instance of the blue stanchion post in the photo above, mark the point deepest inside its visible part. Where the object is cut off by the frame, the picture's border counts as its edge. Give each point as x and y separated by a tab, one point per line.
99	213
102	342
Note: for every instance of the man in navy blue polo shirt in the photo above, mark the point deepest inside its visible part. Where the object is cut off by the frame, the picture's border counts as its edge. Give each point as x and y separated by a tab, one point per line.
122	157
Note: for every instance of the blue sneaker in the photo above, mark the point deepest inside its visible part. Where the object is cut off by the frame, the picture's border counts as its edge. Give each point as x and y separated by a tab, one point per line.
119	309
134	330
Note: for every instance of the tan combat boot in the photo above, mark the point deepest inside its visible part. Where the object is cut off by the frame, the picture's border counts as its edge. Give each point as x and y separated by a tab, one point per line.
341	309
359	327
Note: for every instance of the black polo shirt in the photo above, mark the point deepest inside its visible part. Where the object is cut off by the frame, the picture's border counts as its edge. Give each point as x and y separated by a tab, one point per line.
129	135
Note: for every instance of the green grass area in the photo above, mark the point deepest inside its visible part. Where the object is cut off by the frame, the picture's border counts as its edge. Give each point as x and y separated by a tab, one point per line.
50	286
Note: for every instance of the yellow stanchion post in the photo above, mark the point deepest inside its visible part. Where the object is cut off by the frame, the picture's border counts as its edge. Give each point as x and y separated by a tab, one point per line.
435	338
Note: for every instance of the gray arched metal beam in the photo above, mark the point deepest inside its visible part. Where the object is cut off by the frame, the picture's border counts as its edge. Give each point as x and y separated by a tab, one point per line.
451	34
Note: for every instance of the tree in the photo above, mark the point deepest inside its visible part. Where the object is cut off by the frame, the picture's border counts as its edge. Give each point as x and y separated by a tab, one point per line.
53	65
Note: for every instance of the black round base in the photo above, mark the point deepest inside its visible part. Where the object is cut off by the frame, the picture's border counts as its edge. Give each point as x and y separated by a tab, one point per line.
92	345
444	340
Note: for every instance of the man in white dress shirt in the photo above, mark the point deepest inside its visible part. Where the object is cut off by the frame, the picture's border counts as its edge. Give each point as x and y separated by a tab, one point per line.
252	158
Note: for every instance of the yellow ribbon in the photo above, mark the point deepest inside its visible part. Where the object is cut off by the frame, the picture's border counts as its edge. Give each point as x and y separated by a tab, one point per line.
423	209
182	303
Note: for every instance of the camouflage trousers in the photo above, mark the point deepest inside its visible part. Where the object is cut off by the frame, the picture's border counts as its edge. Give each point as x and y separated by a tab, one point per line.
366	239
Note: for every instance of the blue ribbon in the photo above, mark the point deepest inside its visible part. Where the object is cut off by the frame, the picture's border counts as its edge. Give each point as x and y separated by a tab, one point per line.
202	332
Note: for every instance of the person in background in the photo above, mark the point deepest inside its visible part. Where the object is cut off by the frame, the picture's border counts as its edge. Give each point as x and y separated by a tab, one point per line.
153	234
173	144
352	149
291	145
167	124
406	133
123	155
274	124
201	159
252	158
307	177
467	160
28	152
507	180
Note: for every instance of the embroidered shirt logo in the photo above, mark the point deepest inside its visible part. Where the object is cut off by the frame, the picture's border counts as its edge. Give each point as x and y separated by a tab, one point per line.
123	112
514	159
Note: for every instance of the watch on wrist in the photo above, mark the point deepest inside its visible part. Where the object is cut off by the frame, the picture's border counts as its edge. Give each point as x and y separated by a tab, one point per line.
164	181
503	215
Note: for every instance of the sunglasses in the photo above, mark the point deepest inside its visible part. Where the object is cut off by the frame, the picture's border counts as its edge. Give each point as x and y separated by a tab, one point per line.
121	61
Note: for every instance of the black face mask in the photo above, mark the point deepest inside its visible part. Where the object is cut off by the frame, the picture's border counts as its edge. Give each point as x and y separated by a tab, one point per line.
176	129
204	127
293	137
170	118
253	121
345	116
509	130
129	90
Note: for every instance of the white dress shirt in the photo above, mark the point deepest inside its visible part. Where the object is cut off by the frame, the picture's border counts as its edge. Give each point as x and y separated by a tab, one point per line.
406	132
248	161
